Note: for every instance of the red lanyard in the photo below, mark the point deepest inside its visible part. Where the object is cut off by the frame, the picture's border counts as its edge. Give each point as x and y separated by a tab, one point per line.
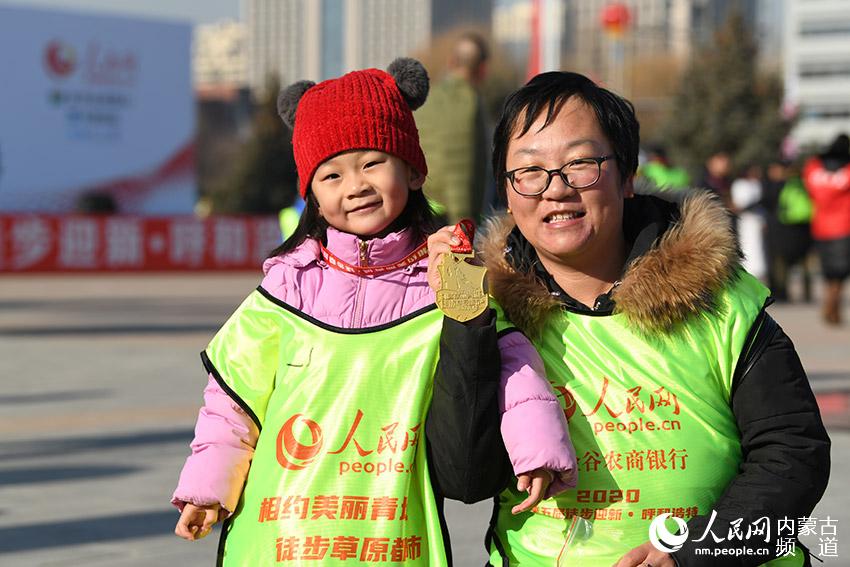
335	262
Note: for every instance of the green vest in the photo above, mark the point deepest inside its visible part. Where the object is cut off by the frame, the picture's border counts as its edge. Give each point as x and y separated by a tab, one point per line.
652	426
665	178
340	471
288	219
795	205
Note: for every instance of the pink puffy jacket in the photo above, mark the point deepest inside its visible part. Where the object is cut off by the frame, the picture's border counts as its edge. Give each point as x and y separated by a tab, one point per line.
533	426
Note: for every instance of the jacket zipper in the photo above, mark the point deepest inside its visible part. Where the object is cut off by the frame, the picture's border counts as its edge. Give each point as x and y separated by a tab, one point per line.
357	321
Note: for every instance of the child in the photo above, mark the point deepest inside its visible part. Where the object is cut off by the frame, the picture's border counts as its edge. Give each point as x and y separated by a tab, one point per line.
321	380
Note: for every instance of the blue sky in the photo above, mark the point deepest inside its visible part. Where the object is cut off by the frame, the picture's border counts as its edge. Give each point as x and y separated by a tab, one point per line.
195	11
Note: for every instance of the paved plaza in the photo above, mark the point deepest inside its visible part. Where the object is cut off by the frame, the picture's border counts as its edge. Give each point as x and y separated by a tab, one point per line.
100	385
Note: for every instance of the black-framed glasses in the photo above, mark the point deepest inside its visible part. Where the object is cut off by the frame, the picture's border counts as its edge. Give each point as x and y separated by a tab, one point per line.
578	174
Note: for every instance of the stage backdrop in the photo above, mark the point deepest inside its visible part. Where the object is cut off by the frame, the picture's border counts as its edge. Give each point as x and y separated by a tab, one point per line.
94	104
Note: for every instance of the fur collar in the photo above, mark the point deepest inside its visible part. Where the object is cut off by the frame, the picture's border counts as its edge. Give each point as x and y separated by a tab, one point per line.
677	278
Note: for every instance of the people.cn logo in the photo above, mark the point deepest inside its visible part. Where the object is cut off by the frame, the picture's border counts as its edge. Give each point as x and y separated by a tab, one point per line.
661	537
60	59
292	454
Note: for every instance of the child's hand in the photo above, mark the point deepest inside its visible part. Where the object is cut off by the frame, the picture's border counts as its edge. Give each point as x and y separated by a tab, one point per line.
196	522
439	244
535	483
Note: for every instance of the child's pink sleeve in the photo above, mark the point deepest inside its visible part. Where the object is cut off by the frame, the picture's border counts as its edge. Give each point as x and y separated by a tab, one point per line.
533	427
225	437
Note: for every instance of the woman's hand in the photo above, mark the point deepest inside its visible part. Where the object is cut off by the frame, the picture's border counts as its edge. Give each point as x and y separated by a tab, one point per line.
439	244
196	522
645	556
535	483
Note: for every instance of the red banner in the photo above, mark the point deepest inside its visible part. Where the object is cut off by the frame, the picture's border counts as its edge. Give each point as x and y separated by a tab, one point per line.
77	243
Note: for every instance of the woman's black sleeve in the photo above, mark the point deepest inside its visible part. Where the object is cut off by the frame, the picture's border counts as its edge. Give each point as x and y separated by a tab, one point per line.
785	447
467	457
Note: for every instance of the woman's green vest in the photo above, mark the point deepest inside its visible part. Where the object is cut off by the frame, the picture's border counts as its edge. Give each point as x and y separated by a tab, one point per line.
652	425
339	473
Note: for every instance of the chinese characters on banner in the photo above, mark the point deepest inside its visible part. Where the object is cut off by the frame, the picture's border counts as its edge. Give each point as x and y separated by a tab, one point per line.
47	243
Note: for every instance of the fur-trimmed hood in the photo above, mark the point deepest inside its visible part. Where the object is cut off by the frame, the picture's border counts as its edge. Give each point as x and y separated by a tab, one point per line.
676	278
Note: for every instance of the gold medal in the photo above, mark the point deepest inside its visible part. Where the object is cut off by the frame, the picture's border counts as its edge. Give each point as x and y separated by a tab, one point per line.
461	295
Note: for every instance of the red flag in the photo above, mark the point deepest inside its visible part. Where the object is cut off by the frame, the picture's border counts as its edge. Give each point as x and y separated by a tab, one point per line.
534	43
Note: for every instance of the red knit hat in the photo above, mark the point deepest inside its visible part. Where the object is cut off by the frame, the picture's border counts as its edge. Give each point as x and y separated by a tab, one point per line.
362	110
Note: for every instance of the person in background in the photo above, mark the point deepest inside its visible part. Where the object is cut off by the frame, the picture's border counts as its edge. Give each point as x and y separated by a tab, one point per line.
746	195
716	177
96	204
454	134
789	213
827	179
288	217
662	173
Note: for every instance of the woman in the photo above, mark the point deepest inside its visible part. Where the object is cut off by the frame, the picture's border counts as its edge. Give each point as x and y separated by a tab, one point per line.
827	178
683	396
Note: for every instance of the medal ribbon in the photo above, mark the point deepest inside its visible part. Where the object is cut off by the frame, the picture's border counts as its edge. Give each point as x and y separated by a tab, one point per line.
465	232
337	263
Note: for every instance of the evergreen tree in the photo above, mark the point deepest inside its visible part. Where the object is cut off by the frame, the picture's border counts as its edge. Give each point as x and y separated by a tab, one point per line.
723	105
264	179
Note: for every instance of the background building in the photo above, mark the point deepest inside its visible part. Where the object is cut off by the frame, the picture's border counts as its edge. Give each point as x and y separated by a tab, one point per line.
319	39
817	69
644	59
315	40
277	33
219	56
378	31
671	28
450	14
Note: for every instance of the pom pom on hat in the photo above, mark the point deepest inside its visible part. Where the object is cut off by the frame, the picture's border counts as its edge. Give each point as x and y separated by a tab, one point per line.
362	110
411	78
287	101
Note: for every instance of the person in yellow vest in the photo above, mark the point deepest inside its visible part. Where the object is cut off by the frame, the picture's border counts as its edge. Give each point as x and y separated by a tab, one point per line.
288	218
314	442
659	170
698	438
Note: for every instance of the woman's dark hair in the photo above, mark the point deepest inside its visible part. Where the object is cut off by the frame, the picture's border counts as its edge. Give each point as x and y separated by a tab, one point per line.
549	92
417	215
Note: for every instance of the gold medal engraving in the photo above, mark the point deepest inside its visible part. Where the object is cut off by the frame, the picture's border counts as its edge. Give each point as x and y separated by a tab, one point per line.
461	295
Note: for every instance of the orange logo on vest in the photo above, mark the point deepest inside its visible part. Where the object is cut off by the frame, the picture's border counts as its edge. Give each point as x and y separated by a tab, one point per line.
291	453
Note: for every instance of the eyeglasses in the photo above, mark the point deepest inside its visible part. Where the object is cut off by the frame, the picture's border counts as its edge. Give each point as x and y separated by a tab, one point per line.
578	174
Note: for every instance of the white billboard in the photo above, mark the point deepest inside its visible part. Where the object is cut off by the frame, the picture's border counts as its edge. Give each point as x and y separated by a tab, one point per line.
95	104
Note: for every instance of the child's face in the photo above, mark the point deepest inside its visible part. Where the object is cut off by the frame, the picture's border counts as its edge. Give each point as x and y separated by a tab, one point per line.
363	192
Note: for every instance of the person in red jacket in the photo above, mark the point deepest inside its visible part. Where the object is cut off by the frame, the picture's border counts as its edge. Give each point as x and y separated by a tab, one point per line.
827	178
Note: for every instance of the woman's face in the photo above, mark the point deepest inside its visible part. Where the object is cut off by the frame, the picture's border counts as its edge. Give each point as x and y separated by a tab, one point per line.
566	226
